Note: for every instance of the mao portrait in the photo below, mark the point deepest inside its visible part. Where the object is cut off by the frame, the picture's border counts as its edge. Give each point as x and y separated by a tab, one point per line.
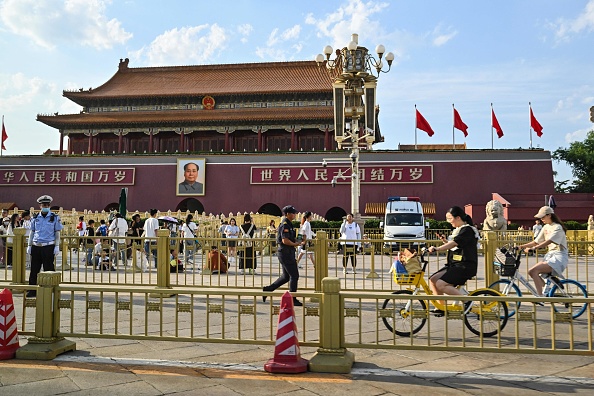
190	176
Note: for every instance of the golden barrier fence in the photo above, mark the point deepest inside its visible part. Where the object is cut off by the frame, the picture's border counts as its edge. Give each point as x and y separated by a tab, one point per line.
331	320
129	264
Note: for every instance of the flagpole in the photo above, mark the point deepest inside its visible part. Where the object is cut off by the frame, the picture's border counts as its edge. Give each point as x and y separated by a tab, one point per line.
2	137
529	123
492	146
453	129
415	126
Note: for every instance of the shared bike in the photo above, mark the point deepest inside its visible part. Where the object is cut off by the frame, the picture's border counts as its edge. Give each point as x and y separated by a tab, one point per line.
507	264
404	317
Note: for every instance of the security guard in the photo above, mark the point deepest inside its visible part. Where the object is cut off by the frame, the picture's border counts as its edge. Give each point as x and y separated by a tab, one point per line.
286	241
44	241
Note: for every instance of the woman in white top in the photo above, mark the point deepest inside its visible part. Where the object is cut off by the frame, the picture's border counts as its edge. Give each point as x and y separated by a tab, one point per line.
553	237
232	232
305	230
189	230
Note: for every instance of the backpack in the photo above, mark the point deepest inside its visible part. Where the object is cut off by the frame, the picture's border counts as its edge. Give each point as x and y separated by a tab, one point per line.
246	237
79	226
102	230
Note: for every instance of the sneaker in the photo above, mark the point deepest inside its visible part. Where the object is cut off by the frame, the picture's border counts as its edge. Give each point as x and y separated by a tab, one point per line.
437	312
241	272
297	303
345	271
354	270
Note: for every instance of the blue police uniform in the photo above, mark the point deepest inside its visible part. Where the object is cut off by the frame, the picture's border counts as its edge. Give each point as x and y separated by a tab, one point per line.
43	242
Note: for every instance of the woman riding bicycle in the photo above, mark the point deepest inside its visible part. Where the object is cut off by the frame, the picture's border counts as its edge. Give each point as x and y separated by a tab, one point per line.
462	255
553	236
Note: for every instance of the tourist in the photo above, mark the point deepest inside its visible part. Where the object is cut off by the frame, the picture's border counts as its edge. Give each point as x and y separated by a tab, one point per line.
247	260
189	230
232	232
217	262
151	225
44	243
287	242
553	237
307	233
350	233
119	228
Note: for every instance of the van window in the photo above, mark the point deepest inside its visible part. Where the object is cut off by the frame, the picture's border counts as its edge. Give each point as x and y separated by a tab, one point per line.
404	219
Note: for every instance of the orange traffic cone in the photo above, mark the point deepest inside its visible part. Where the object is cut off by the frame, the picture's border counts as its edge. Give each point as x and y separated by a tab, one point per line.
287	357
9	336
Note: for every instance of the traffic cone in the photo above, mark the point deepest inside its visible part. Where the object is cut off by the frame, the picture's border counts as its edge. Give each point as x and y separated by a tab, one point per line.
287	357
9	336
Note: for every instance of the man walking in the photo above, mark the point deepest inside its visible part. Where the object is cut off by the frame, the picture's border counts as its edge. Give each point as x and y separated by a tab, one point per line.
44	242
286	242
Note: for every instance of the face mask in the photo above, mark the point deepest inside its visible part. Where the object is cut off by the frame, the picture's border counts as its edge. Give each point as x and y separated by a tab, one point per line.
45	210
6	223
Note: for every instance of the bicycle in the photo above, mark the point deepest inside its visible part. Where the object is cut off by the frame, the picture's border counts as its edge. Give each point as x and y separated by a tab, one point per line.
404	318
507	263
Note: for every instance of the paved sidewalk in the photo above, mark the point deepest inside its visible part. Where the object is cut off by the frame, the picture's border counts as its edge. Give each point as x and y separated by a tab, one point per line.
131	367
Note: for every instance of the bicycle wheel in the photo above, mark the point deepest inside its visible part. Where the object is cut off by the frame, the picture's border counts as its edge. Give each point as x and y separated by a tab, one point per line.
507	288
569	288
486	318
403	320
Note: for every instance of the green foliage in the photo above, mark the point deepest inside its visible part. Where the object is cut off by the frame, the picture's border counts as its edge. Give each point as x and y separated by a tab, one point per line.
580	156
334	224
575	225
439	224
372	223
317	224
513	226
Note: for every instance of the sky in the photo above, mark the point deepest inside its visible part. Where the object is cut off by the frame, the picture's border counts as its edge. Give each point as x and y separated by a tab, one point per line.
463	52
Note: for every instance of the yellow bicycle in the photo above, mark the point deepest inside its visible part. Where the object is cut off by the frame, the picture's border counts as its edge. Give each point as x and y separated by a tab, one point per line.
406	316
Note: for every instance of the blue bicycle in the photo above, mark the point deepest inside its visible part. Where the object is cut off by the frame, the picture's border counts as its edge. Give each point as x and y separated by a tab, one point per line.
507	263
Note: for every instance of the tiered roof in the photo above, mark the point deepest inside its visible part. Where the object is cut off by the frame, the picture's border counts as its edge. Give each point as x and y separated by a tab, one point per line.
197	81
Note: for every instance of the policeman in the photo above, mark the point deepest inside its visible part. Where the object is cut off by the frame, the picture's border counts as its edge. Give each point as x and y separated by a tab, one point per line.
286	242
44	241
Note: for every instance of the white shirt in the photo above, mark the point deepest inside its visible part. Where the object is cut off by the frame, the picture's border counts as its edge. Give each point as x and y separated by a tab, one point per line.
350	231
83	231
151	225
306	230
553	232
120	228
232	231
189	229
27	227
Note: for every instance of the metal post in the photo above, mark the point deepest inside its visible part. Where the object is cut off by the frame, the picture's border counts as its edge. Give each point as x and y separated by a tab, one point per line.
19	256
490	243
46	344
332	356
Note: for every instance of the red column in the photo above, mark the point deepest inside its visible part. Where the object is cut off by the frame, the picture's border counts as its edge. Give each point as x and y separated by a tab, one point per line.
61	142
150	142
90	146
327	144
120	142
260	139
181	141
293	146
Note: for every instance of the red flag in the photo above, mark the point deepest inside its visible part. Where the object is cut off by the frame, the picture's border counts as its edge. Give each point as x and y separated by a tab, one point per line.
534	124
495	124
423	125
459	124
4	135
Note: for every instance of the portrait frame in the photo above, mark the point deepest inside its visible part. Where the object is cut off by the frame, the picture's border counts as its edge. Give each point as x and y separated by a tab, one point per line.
188	188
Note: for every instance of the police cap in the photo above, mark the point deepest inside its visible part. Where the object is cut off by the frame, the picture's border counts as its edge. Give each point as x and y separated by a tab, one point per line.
289	209
44	199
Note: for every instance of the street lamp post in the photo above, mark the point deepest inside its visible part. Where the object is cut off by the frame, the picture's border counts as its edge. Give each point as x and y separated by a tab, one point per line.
354	89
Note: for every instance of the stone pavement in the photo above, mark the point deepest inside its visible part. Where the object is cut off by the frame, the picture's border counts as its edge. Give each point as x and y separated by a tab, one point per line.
132	367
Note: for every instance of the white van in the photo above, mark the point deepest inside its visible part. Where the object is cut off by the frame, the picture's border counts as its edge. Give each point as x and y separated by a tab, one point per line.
404	223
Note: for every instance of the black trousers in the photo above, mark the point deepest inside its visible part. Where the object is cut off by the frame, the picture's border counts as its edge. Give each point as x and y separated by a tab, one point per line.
41	256
349	251
290	271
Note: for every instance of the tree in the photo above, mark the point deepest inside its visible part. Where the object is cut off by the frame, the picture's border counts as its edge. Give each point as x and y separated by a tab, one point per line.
580	156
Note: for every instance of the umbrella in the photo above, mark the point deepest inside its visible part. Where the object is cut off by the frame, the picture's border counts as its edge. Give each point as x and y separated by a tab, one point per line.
552	202
168	219
123	201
